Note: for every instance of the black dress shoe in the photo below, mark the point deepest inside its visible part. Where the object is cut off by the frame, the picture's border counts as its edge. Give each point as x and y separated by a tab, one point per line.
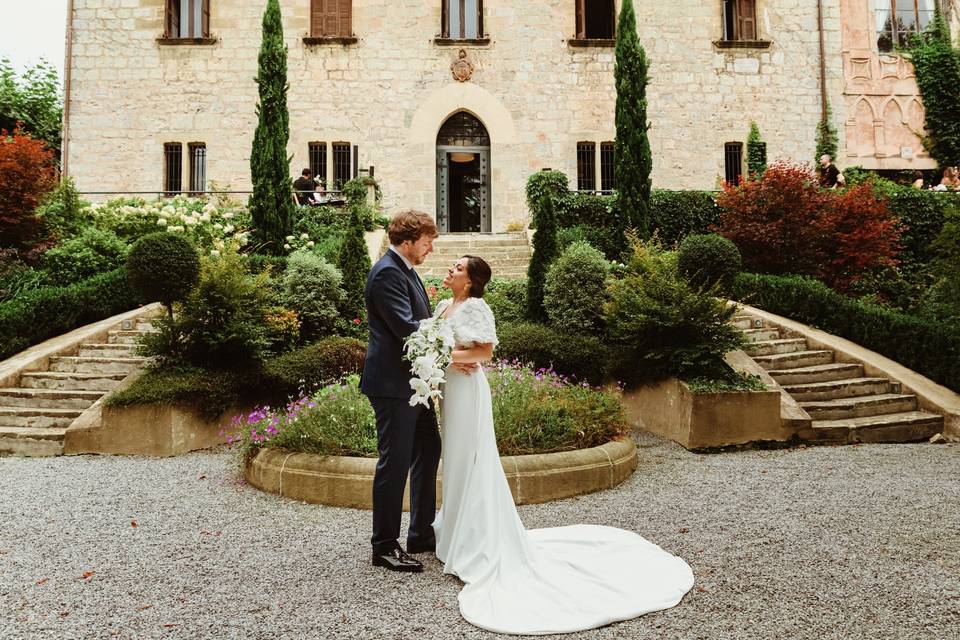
397	560
422	547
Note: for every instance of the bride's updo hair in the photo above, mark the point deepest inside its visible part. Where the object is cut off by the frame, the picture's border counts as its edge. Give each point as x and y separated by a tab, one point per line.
479	273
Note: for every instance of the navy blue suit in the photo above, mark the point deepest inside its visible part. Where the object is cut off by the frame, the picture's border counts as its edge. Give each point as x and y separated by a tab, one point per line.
408	439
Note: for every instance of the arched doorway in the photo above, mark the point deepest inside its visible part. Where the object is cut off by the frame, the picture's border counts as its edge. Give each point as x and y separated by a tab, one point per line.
463	175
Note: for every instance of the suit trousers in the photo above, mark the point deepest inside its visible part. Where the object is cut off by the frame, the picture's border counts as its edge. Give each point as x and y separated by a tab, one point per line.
408	440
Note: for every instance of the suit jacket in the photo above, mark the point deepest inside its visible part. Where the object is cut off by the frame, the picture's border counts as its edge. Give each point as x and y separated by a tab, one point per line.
396	302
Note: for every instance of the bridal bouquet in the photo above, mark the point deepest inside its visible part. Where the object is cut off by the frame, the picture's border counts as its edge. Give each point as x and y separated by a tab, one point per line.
430	350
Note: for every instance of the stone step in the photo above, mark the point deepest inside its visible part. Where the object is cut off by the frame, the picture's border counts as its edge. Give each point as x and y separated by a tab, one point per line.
38	417
48	398
909	426
81	364
761	335
124	337
68	380
106	350
795	360
771	347
817	373
747	322
480	239
31	442
860	406
833	389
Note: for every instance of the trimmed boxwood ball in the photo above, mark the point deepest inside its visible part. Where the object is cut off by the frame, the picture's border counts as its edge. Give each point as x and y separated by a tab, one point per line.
574	290
705	260
163	266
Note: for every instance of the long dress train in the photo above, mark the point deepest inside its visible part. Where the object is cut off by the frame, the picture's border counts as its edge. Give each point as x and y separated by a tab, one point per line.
541	581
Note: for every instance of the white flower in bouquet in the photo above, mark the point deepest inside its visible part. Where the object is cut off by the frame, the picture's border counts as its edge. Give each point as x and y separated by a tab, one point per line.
429	350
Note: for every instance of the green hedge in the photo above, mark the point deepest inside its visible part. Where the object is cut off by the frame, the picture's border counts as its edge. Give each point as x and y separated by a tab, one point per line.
51	311
928	348
676	214
583	357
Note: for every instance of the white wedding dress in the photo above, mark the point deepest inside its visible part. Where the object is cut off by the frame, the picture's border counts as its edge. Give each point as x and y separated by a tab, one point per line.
541	581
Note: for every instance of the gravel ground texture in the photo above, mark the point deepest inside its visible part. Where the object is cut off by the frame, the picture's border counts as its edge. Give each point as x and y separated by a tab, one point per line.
827	542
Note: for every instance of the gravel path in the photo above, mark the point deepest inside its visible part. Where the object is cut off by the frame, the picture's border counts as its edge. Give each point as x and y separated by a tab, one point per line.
820	543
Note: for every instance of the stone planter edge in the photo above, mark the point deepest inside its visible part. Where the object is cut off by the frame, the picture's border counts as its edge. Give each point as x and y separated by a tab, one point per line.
342	481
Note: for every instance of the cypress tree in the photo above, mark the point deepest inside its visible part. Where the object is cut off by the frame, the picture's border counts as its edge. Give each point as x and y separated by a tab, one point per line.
354	263
633	161
271	204
756	153
826	139
544	253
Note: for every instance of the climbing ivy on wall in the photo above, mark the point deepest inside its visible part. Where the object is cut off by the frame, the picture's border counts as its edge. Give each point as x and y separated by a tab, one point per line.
937	65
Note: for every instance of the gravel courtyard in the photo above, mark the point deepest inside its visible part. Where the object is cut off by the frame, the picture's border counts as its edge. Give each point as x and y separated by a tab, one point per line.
830	542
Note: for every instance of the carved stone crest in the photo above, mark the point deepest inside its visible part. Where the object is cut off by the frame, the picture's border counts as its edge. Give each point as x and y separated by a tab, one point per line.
462	69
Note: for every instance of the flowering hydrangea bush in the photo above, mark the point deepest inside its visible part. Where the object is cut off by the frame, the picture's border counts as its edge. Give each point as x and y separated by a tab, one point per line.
210	225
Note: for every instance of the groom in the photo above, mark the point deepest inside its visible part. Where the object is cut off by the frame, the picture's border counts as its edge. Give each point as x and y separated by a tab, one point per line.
407	437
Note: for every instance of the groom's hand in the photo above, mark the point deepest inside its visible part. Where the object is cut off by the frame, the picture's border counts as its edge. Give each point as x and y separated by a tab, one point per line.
466	367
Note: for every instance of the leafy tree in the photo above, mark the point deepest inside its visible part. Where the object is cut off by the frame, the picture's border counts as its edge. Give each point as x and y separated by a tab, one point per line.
272	205
826	138
34	99
937	65
756	152
26	174
633	161
354	263
544	253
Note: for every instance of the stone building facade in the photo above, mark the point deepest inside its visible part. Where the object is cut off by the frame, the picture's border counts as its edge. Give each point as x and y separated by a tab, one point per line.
161	87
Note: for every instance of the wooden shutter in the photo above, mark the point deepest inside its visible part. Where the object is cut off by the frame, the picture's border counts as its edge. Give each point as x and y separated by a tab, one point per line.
445	19
344	28
581	29
479	18
746	20
205	19
172	24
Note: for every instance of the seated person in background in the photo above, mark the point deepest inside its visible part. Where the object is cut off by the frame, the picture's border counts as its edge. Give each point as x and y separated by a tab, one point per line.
950	180
304	186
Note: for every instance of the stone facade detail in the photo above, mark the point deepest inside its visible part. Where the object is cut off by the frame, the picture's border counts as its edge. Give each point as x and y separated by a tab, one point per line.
389	93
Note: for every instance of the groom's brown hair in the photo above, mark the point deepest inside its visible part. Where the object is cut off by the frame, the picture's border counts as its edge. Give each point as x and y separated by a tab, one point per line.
411	225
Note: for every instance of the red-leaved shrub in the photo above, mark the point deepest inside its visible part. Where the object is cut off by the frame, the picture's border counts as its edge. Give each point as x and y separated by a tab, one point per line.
26	173
785	223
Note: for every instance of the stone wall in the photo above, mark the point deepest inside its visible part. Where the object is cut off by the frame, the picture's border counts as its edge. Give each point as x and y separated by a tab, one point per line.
390	92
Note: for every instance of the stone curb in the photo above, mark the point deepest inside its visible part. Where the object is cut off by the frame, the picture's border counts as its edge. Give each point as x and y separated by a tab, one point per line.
341	481
931	396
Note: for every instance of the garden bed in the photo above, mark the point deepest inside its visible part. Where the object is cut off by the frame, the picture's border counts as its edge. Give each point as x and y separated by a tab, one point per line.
344	481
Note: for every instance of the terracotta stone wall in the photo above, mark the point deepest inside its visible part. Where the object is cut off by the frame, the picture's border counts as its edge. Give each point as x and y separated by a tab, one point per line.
390	92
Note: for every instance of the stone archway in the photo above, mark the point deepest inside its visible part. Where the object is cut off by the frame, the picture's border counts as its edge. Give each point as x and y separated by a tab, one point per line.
463	175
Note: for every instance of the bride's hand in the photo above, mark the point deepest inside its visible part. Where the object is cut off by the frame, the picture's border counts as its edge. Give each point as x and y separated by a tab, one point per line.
465	367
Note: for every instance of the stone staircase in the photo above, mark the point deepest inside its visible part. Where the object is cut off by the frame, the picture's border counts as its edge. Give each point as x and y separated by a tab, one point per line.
845	405
35	414
507	253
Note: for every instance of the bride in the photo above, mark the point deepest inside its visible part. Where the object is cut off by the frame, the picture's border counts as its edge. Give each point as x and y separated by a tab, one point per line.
541	581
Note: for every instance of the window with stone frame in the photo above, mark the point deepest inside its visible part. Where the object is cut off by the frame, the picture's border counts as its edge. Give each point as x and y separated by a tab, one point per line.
740	20
344	163
586	166
462	19
733	162
608	174
317	153
198	168
596	19
331	18
172	168
187	19
898	19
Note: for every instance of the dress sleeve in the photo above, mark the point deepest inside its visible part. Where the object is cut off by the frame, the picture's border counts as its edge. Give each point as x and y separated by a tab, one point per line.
476	323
